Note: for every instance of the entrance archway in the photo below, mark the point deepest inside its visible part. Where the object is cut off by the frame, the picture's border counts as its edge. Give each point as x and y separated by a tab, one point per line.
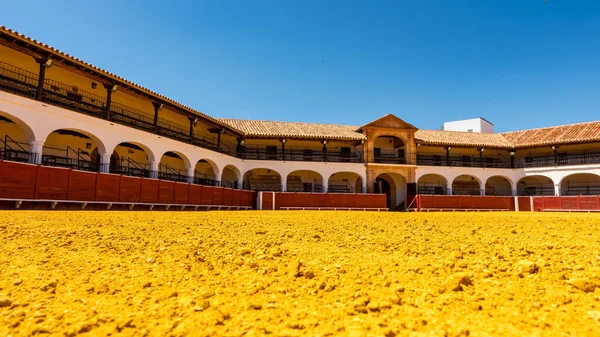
74	149
344	182
132	159
230	177
498	185
393	185
173	166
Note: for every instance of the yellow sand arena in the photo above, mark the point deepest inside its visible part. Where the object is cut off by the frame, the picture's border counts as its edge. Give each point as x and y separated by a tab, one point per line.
299	273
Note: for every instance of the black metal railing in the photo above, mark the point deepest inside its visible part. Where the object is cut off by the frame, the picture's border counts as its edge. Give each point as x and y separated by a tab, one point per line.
205	179
466	191
436	188
15	151
18	81
129	167
298	154
68	157
73	98
389	157
561	159
583	188
339	187
166	172
462	160
535	189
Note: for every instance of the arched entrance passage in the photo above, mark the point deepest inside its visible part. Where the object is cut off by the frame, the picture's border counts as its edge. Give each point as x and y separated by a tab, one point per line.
432	184
173	166
261	179
535	185
498	185
231	177
74	149
580	184
394	186
205	172
466	185
389	150
304	181
14	140
344	182
132	159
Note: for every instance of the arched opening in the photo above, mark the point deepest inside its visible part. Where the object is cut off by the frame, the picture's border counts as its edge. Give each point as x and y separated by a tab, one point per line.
172	167
535	185
14	140
466	185
131	159
230	176
344	182
498	185
205	173
432	184
261	179
580	184
389	150
74	149
393	185
304	181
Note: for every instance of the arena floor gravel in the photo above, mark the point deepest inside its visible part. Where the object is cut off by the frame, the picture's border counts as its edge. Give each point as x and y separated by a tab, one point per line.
299	274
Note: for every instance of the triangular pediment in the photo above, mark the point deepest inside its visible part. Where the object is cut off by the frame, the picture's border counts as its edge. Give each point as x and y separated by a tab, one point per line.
388	121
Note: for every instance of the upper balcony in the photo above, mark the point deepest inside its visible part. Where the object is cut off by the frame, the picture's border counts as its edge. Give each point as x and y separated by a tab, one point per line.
463	160
340	155
561	159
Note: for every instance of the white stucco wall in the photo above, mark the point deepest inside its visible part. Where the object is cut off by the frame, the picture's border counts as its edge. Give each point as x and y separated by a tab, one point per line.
474	124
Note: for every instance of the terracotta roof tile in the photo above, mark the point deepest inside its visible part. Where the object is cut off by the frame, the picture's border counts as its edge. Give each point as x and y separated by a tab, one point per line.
555	135
272	129
459	138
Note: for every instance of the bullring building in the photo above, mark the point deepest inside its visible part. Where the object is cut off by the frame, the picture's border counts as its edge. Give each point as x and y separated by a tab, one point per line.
57	110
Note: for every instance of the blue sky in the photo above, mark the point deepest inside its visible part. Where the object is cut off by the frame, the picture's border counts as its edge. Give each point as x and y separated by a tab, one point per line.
518	63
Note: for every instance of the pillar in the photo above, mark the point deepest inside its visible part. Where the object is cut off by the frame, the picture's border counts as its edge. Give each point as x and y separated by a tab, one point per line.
325	185
109	90
191	174
513	190
35	151
218	179
44	63
219	138
104	163
157	106
449	189
240	183
448	157
557	189
154	169
482	188
364	186
283	183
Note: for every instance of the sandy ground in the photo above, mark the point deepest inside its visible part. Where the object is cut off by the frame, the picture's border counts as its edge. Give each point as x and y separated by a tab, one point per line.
299	273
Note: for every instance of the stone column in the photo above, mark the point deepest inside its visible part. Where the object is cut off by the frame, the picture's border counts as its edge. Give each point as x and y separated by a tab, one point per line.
218	178
283	184
191	174
482	188
513	191
240	183
35	151
325	185
364	186
449	189
557	189
104	162
154	169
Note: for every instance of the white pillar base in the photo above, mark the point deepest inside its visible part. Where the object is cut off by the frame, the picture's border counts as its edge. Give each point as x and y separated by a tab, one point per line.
154	169
36	148
191	174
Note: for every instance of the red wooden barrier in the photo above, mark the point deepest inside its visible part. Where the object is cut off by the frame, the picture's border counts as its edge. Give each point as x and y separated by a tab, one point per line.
107	187
318	200
524	204
129	190
538	204
227	196
52	183
17	180
207	195
377	200
217	196
82	186
267	200
246	195
181	193
195	194
237	197
362	201
551	202
589	202
166	191
149	191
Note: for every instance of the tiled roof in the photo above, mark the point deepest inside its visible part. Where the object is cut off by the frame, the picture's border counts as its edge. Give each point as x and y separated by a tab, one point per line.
117	79
271	129
459	138
554	135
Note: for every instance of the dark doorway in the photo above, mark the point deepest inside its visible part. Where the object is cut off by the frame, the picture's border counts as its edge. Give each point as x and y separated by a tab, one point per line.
383	187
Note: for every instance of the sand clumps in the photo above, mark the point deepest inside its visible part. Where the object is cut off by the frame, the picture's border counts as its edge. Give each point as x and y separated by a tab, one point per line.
299	273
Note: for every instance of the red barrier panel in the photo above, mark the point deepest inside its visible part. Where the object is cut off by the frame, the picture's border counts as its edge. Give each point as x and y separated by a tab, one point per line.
524	204
551	203
478	202
452	201
17	181
318	200
149	191
195	194
348	200
181	193
52	183
303	199
589	203
246	198
227	196
82	186
464	201
207	195
569	203
129	190
488	202
378	200
107	187
333	200
166	192
237	197
538	203
362	200
217	196
267	200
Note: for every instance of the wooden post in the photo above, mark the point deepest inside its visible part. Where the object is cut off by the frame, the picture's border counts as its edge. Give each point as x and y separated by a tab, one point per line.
44	63
109	90
157	107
